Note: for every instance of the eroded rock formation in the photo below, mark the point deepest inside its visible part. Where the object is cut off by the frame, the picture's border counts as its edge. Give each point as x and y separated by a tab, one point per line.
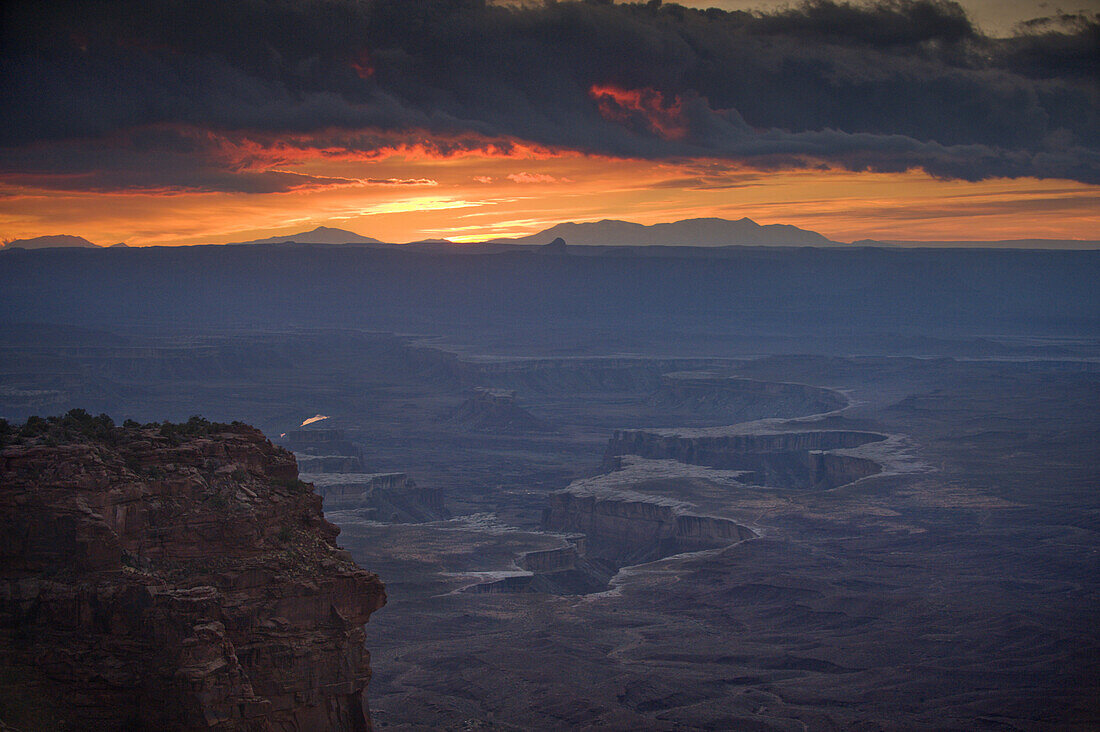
392	497
322	450
806	459
566	570
182	578
634	529
495	410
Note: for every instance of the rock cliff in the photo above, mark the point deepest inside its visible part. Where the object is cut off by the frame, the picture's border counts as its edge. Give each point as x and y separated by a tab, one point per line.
806	459
392	497
172	577
636	529
643	511
566	570
320	450
495	410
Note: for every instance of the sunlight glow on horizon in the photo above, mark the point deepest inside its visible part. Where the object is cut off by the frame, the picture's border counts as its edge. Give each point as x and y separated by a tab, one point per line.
476	198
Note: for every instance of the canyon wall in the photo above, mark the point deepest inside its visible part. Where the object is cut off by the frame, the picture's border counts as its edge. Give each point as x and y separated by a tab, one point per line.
566	570
392	497
495	410
329	463
173	577
781	459
551	560
626	530
320	441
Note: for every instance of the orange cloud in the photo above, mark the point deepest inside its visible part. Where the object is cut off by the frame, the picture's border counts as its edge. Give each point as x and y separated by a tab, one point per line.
400	182
170	159
661	116
525	177
371	144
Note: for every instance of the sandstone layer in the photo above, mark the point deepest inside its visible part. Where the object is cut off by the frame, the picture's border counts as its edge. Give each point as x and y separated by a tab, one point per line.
173	577
786	459
495	410
648	509
392	497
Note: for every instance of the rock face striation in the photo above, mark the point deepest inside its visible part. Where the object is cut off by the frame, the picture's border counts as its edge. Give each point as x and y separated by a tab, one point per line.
629	530
323	450
496	410
806	459
646	510
390	497
173	577
566	570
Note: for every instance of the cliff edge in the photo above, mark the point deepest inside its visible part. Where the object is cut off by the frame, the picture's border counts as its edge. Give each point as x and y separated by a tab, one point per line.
172	577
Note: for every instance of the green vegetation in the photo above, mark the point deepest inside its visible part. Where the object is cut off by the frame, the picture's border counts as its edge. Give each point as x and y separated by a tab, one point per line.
196	426
74	424
77	425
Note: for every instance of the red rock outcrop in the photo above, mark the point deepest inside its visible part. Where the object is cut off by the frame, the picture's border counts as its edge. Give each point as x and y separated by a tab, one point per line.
159	579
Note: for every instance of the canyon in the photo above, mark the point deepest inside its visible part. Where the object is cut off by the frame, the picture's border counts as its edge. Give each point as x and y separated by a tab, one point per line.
668	490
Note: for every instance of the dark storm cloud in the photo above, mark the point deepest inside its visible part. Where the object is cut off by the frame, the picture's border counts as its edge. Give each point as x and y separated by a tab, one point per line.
885	87
156	158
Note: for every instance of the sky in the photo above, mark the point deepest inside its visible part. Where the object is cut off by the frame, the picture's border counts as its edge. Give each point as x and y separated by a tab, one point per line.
993	17
211	121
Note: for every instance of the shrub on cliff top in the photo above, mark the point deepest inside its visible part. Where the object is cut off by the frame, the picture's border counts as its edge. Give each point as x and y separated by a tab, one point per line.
196	426
78	424
67	427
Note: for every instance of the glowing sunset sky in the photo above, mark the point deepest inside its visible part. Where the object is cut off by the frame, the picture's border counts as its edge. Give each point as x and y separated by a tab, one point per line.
207	122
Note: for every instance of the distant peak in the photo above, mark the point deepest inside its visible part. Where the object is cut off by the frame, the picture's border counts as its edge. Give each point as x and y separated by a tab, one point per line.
703	231
712	220
319	235
51	242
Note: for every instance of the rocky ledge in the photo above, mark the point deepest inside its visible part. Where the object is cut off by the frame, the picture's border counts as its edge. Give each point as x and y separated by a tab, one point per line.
649	509
172	577
495	410
389	497
782	458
